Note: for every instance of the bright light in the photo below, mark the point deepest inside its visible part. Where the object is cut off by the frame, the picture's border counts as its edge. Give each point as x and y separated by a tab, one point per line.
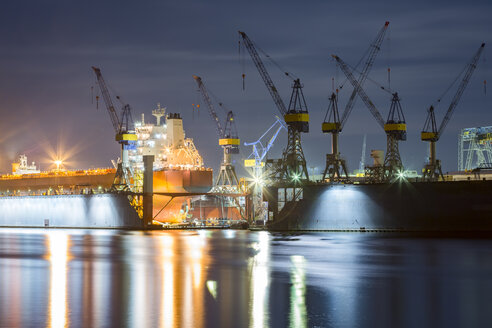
401	175
259	181
296	177
58	163
59	152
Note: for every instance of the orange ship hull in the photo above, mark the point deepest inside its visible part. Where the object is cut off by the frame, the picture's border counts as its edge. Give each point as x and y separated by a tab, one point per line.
179	181
63	182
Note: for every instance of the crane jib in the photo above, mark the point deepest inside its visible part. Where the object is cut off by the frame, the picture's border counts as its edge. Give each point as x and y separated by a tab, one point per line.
120	125
464	83
373	51
263	73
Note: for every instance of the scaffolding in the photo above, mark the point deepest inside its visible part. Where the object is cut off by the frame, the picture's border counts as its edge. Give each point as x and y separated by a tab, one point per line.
474	148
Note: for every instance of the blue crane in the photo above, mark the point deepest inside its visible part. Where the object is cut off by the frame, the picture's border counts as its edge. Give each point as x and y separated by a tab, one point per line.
255	160
260	148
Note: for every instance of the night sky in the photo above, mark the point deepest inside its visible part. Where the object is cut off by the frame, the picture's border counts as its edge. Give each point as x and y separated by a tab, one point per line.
149	50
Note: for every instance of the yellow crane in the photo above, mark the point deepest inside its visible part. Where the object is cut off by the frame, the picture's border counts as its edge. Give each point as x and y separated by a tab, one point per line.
228	140
123	134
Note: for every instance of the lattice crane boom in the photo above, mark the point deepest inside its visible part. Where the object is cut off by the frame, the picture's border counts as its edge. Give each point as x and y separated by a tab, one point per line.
373	51
264	73
210	106
107	100
464	83
358	89
259	150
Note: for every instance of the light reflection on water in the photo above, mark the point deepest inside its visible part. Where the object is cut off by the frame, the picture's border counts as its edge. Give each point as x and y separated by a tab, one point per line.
260	281
58	278
298	316
58	258
166	244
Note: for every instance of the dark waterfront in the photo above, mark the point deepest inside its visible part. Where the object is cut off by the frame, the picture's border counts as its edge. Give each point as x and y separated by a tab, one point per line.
104	278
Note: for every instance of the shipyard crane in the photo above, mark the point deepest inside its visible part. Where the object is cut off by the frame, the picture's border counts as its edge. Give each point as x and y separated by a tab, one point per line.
228	140
430	133
123	134
395	128
292	167
261	147
335	164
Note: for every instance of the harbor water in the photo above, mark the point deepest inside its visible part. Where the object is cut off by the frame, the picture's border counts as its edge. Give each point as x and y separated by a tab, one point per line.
229	278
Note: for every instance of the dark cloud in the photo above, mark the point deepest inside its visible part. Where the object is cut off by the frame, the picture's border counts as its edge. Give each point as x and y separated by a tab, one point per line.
148	51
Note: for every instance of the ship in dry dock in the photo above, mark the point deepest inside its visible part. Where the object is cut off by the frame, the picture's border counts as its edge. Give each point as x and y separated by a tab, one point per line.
178	168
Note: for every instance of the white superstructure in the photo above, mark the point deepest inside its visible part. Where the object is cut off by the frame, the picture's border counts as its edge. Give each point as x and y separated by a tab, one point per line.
166	141
22	167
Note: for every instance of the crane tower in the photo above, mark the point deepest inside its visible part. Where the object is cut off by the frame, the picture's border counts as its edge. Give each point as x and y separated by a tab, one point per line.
395	128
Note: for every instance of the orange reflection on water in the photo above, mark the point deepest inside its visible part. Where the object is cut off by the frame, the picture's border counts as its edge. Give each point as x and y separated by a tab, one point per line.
196	262
183	280
58	244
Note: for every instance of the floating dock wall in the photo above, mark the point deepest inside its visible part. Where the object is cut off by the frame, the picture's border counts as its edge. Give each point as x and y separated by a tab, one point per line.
69	211
400	206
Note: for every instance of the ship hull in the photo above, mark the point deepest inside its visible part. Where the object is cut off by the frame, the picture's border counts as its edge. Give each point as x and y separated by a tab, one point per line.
402	206
164	181
68	183
182	180
173	209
